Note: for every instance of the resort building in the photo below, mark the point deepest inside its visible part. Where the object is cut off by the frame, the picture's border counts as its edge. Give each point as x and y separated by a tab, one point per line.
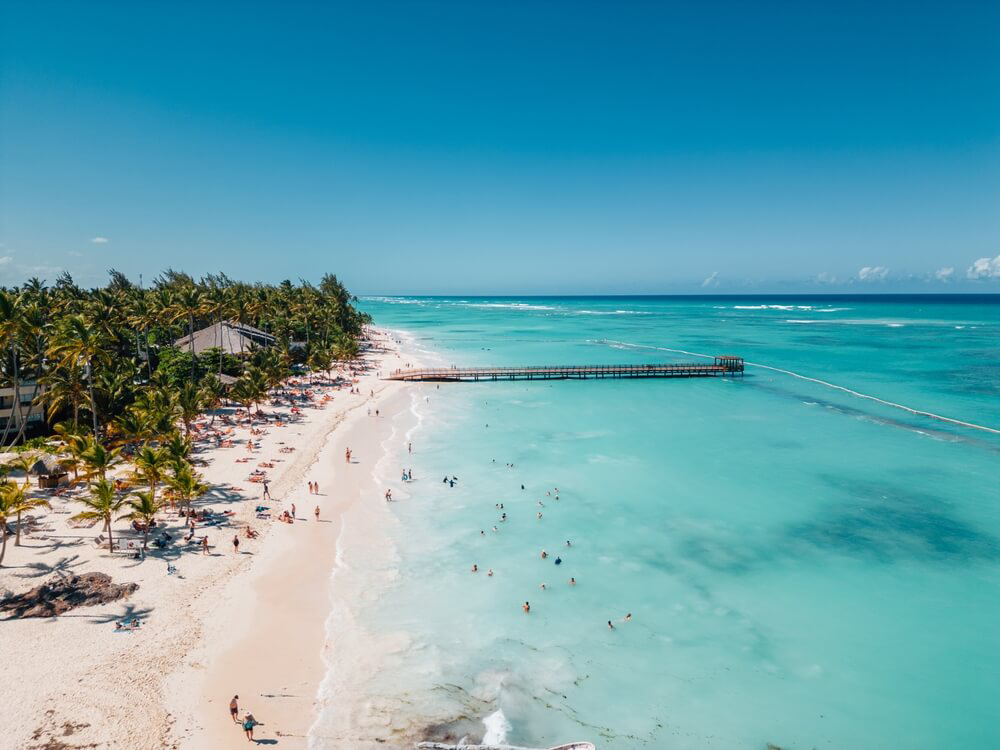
237	339
11	415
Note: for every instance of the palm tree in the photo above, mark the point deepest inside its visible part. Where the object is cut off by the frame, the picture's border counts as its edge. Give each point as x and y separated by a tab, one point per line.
212	393
151	465
77	341
190	402
24	462
7	505
178	448
188	302
10	338
18	501
98	459
101	503
64	389
186	485
142	507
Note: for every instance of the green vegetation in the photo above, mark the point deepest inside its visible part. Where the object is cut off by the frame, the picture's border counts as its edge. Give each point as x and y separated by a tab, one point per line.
104	358
103	365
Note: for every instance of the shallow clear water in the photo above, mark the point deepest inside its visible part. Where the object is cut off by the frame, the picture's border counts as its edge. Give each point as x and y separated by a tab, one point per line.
804	566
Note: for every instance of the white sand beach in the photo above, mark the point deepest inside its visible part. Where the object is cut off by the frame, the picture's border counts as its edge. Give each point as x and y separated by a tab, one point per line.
250	623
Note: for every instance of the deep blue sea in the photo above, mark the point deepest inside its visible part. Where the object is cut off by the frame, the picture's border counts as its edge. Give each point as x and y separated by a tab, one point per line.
804	565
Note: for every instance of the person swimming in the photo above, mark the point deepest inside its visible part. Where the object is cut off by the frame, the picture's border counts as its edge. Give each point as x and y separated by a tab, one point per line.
526	607
475	568
544	554
558	561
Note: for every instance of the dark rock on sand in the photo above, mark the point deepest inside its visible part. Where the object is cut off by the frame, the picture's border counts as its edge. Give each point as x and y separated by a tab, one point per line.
63	594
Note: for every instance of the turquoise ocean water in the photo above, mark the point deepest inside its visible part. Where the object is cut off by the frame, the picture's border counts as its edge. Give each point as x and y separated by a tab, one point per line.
803	566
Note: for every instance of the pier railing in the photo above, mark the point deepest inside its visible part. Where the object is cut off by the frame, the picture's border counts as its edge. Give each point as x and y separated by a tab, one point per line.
722	366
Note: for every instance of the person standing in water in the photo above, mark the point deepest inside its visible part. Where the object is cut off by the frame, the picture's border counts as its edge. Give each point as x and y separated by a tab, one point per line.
526	607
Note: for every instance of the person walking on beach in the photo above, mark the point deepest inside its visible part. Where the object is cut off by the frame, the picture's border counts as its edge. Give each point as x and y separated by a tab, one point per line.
310	488
249	722
293	510
204	545
236	544
316	487
317	512
234	709
267	492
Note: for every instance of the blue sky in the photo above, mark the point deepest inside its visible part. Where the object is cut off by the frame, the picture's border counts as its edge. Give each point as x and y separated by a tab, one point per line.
506	147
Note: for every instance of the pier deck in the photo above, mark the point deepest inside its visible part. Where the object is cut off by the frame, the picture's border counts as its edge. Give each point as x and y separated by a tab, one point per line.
722	366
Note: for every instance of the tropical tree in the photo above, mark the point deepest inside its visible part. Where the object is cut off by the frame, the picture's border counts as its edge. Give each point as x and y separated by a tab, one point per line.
77	342
190	403
212	394
185	485
143	507
188	303
178	448
98	459
7	505
102	503
64	388
24	462
18	501
151	466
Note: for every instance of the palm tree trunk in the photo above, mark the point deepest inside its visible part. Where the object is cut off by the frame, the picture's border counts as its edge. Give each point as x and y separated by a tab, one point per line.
17	397
93	401
3	544
111	542
191	342
22	419
17	539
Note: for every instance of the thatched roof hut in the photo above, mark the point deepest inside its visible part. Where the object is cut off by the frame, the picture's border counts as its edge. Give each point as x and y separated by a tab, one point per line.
47	465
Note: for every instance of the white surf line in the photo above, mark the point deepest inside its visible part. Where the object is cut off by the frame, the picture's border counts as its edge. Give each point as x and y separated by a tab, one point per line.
893	404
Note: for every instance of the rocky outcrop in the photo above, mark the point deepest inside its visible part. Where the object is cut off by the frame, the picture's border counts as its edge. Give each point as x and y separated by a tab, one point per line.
60	595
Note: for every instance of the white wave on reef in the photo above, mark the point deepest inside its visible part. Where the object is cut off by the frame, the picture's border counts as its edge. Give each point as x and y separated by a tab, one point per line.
858	394
786	308
611	312
497	728
506	306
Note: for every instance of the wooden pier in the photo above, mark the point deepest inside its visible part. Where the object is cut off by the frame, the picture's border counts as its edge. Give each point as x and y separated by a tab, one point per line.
721	366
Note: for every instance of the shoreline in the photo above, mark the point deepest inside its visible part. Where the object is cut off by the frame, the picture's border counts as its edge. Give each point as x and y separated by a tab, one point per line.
268	633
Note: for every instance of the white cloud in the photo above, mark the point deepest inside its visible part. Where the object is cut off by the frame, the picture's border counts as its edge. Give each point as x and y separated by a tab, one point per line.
944	274
826	278
5	260
873	273
74	253
711	279
99	240
985	268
